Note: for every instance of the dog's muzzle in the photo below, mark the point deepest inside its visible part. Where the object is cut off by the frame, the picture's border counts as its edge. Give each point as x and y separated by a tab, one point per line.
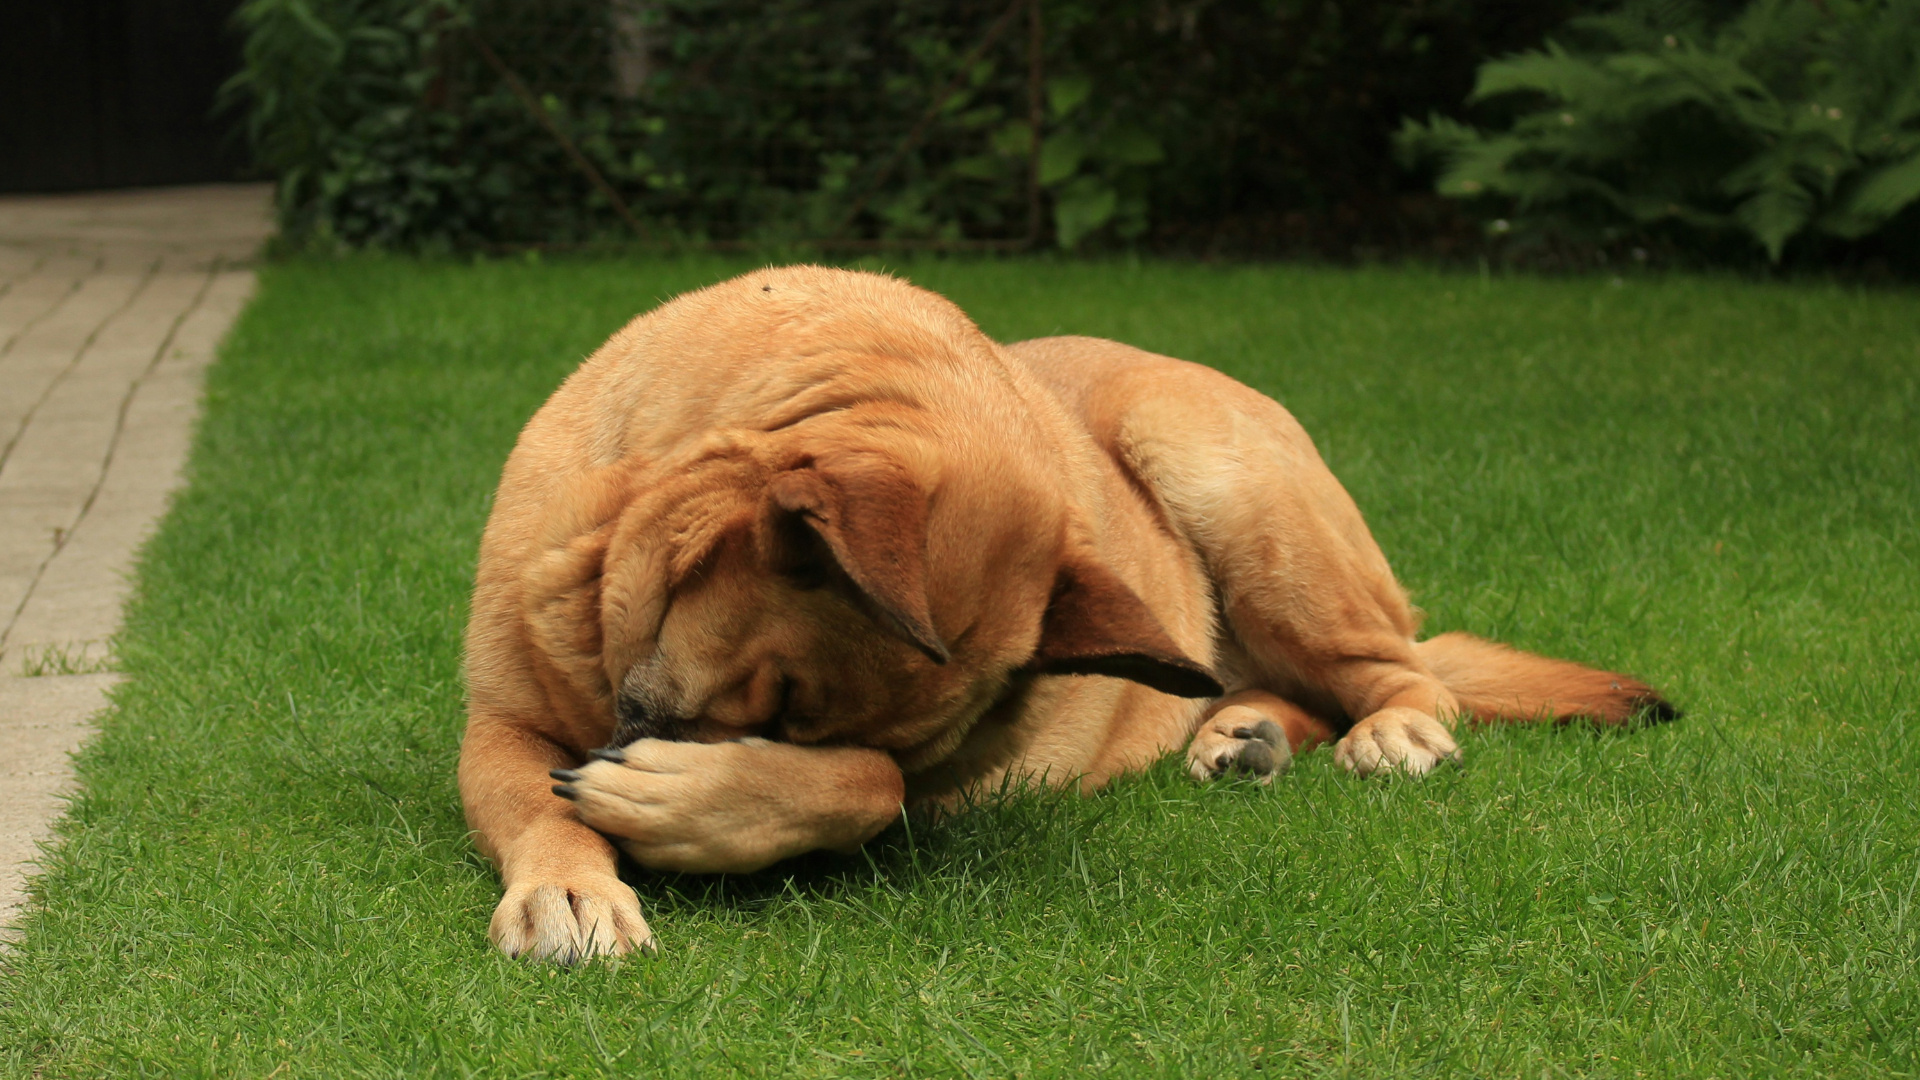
637	718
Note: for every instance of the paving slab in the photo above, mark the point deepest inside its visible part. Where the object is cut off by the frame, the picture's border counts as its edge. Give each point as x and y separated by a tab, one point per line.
207	222
74	607
51	342
46	719
111	307
37	291
14	264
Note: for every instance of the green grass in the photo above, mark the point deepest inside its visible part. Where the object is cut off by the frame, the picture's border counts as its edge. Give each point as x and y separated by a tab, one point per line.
1713	484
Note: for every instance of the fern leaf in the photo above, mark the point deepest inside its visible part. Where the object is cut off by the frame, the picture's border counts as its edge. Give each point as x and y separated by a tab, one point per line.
1553	73
1885	192
1775	214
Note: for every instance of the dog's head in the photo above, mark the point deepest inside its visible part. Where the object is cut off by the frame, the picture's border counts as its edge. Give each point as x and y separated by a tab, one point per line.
843	594
877	565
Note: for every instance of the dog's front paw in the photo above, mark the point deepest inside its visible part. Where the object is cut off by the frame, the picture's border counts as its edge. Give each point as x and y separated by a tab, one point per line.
568	922
733	807
688	807
1396	739
1239	741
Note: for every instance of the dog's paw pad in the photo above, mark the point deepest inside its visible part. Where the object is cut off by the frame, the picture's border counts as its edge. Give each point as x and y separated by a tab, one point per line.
1265	731
1254	759
1257	751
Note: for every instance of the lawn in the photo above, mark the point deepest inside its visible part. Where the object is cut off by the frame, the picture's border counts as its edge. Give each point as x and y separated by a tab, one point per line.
1712	483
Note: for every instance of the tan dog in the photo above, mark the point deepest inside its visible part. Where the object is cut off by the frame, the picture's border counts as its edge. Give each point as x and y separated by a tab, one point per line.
806	546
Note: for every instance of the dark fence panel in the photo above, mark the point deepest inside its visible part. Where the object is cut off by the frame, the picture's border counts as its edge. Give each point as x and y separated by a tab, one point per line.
114	93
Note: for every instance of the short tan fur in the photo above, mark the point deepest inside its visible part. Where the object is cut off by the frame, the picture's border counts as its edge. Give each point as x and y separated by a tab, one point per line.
797	549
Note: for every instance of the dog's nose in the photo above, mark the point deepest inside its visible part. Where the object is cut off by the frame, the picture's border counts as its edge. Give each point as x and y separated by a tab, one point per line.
636	719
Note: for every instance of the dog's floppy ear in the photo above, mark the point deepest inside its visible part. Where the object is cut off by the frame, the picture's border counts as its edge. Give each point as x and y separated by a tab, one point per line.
871	518
560	601
1096	625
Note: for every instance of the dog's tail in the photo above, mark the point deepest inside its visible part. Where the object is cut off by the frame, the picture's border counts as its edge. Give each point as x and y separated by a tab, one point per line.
1494	682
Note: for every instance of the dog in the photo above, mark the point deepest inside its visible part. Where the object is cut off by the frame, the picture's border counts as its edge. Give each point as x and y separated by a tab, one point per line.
798	550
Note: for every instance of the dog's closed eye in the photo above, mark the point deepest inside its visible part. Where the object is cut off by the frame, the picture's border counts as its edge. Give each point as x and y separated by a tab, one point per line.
800	555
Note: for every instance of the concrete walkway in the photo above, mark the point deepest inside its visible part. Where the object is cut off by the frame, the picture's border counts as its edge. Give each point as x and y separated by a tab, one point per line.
111	305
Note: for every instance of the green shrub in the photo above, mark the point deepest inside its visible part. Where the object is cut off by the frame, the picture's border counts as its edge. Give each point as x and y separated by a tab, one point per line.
384	129
779	118
1776	120
1239	126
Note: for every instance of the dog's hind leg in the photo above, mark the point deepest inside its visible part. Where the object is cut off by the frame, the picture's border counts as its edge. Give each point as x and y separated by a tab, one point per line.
1306	592
1310	602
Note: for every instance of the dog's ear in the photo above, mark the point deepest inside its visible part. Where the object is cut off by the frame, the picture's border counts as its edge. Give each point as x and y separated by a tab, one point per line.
560	602
868	517
1096	625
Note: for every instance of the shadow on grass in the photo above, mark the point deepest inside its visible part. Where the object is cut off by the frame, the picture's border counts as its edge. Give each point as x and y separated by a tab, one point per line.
1027	830
1010	832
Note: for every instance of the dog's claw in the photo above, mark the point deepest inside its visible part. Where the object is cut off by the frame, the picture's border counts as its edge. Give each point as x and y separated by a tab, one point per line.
565	791
618	757
567	775
1269	732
